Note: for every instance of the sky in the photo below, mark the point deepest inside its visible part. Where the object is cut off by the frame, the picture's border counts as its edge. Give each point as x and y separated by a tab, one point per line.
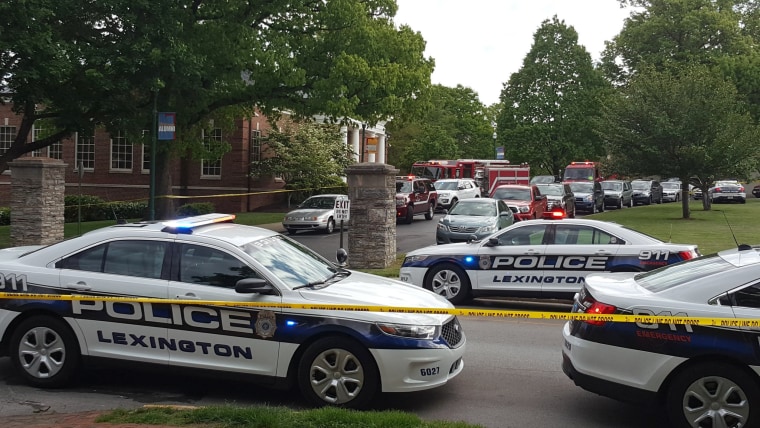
480	43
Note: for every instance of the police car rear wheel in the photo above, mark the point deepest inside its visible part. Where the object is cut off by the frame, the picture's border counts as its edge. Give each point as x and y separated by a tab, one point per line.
338	371
449	281
45	351
713	394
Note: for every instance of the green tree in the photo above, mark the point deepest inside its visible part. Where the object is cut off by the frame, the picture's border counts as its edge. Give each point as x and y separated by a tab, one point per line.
454	125
691	125
310	157
548	105
109	62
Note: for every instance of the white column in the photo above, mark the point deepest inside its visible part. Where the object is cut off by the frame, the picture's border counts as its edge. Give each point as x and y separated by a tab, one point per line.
381	149
354	139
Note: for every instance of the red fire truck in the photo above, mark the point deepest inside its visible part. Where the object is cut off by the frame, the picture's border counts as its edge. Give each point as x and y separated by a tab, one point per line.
582	171
487	172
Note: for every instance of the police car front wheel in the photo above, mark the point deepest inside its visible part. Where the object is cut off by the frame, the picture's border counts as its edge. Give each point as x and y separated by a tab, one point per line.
338	371
45	351
713	394
450	281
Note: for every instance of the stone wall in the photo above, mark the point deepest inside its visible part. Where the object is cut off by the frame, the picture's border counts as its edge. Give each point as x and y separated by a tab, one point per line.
372	223
37	200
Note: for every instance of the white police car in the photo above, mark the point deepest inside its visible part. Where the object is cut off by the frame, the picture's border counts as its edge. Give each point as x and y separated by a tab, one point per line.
703	375
537	258
336	357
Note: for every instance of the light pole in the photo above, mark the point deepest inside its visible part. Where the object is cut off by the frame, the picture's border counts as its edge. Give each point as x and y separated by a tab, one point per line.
153	144
364	128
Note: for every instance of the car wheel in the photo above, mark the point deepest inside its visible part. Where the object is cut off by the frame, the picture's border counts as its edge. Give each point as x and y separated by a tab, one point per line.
620	204
593	208
713	394
338	371
649	201
630	204
292	231
330	226
450	281
45	351
430	211
409	214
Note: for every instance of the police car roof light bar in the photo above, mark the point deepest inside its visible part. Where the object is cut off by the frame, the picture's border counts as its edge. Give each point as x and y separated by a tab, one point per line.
186	225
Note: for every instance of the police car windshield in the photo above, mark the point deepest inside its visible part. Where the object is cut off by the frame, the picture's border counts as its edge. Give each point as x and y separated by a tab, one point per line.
446	185
291	262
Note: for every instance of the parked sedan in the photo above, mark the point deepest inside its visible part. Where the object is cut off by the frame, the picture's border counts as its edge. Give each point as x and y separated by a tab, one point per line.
85	297
315	213
671	191
618	193
646	192
728	191
703	375
589	196
559	197
473	219
537	258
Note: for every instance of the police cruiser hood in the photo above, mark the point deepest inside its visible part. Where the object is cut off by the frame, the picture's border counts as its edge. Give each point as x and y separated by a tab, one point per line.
362	289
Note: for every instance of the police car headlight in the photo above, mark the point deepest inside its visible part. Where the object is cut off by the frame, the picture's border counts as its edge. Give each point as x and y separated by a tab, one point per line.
413	259
410	331
524	209
443	227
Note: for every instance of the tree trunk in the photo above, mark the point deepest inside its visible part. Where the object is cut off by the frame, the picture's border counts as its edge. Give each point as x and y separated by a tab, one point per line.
165	208
706	202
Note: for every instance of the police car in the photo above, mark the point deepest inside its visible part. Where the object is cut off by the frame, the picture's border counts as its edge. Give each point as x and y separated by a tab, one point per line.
705	375
336	357
537	258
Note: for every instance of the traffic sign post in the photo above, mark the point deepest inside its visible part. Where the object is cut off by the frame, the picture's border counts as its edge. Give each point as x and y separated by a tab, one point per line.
342	212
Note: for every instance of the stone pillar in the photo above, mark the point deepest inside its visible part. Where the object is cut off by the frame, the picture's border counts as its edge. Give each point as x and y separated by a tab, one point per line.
37	190
372	225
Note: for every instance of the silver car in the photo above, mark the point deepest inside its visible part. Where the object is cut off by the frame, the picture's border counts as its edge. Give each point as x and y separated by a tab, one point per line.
315	213
476	217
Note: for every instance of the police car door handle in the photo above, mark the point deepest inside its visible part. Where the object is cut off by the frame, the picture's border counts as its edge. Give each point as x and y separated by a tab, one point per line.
532	252
189	296
603	253
80	286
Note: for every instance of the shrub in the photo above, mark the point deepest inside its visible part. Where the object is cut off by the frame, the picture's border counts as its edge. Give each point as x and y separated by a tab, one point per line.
93	208
197	208
5	216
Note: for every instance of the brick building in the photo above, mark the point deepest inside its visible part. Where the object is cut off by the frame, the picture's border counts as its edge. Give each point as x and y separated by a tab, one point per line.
116	169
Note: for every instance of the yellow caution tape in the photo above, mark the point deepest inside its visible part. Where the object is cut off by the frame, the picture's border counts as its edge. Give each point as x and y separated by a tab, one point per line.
467	312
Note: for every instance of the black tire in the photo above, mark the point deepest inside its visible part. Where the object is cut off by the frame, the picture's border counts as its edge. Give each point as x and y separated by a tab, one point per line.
330	226
45	351
430	212
649	201
620	204
631	204
339	372
292	231
409	214
450	281
697	390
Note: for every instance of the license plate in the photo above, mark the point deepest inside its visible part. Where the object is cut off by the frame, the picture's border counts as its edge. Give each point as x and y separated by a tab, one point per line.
404	277
568	346
730	197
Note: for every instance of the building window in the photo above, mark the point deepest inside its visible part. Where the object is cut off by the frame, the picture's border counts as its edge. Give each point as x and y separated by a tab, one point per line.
209	167
85	150
121	153
38	133
7	134
55	150
255	146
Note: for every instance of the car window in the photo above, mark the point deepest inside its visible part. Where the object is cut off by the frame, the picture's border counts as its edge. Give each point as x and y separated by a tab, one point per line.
571	234
582	187
403	187
748	297
551	190
445	185
512	194
291	262
682	273
209	266
611	186
525	235
640	185
141	258
429	185
474	208
318	203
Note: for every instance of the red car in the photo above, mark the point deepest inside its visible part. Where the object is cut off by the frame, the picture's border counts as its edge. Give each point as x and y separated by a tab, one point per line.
528	200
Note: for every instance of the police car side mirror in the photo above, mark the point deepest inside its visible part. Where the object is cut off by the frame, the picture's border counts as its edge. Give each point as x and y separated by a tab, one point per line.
254	285
341	256
492	242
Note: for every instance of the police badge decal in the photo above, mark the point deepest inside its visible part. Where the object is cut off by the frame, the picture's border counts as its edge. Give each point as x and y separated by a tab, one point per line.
266	324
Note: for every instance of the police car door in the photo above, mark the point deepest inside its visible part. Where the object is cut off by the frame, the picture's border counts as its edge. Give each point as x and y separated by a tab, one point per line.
510	261
233	338
125	268
574	251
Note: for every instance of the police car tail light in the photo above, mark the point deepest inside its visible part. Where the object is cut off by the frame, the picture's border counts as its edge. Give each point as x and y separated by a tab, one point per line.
686	255
555	214
410	331
599	308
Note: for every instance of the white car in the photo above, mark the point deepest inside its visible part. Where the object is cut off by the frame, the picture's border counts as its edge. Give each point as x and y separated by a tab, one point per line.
335	357
537	258
451	190
701	375
315	213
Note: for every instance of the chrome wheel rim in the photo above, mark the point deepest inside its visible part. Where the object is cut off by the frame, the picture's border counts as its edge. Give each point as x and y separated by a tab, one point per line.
336	376
446	283
715	402
42	352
